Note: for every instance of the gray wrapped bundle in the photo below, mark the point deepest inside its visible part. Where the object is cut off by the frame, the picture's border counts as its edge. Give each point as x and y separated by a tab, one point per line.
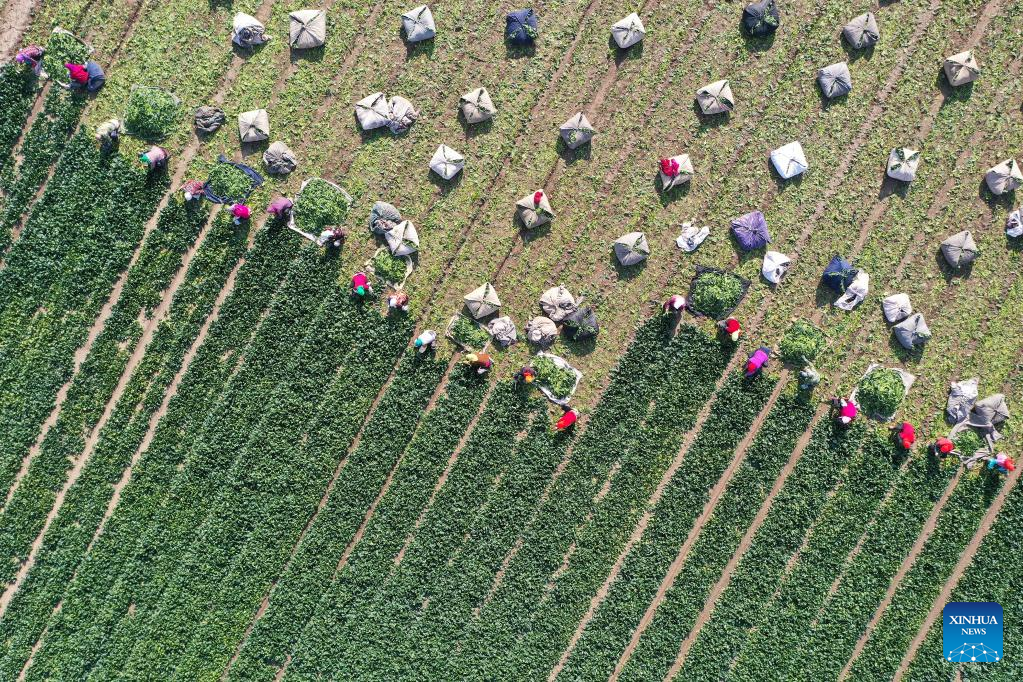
896	307
961	69
502	329
446	162
960	250
403	240
557	303
279	159
418	24
308	28
715	98
401	115
577	131
534	210
482	301
541	331
835	80
477	106
254	126
912	331
1005	177
902	164
862	32
632	248
209	119
628	31
372	111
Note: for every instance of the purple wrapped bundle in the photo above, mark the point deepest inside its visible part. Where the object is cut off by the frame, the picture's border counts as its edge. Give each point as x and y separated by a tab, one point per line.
751	231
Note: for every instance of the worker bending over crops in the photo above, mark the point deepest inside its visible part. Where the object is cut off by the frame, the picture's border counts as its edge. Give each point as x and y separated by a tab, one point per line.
481	362
155	158
525	375
942	448
731	328
426	341
280	207
240	212
568	418
360	285
674	305
905	435
398	300
757	361
845	411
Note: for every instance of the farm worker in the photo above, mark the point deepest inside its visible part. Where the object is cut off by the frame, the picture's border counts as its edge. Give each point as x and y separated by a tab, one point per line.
240	212
1003	462
905	434
809	377
360	285
943	447
155	157
526	375
398	300
280	207
193	190
108	133
425	341
675	305
757	361
847	411
77	73
731	327
332	236
481	362
567	419
32	57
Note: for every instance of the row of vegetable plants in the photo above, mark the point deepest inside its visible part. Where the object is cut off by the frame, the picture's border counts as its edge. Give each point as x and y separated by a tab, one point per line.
445	522
294	596
987	578
18	89
461	583
44	143
721	534
68	537
830	455
272	358
100	372
120	561
770	649
238	566
732	414
533	614
921	585
82	234
867	577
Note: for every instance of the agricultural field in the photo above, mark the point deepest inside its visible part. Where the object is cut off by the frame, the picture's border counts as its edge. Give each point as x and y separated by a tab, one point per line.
220	461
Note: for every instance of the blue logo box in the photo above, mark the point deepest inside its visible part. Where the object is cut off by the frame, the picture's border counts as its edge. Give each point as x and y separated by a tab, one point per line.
971	632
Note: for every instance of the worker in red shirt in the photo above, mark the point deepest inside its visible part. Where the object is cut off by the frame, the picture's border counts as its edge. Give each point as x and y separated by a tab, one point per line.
567	419
905	435
731	328
942	448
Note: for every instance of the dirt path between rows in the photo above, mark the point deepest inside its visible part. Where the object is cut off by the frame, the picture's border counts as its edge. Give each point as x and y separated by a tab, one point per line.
15	19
